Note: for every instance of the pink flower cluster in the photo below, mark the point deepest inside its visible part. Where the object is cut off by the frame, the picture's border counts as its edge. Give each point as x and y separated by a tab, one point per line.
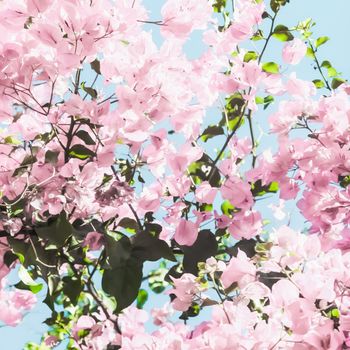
14	304
290	296
313	166
91	167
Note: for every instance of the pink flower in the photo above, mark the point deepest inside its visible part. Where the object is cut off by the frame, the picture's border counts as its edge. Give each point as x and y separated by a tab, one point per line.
182	16
246	225
240	270
84	322
178	186
205	193
161	315
186	232
13	226
13	304
294	51
9	314
93	240
284	293
51	341
237	192
300	312
4	269
23	299
300	88
185	288
255	291
150	198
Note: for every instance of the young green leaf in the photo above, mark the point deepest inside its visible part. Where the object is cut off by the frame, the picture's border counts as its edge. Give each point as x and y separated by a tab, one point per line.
318	83
85	136
282	33
141	299
250	55
211	131
81	152
321	40
270	67
336	82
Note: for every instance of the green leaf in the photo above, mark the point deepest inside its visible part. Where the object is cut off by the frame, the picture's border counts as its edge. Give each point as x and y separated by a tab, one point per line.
35	289
96	66
129	224
310	53
25	277
9	258
231	117
156	279
258	35
196	172
12	140
234	124
245	245
250	55
259	190
227	208
276	4
344	181
28	160
23	250
268	100
265	14
335	313
219	5
204	247
270	278
80	152
270	67
51	157
305	25
192	311
123	282
28	281
33	346
28	257
318	83
89	90
321	40
200	169
326	64
282	33
141	299
85	136
273	187
53	290
57	232
149	248
72	287
331	71
117	250
259	100
336	82
152	228
211	131
206	207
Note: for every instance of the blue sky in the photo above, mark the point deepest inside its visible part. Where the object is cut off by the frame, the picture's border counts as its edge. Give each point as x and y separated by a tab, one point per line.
332	19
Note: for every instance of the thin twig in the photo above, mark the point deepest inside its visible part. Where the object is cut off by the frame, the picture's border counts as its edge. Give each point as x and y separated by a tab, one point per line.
139	224
268	37
319	67
158	23
36	256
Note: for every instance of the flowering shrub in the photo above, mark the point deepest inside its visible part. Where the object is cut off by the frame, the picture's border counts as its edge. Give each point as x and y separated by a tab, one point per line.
110	160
